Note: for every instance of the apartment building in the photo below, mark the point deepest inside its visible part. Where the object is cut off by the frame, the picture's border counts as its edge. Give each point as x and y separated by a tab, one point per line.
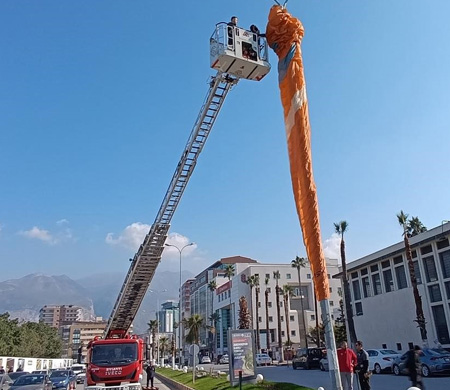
168	316
55	315
382	296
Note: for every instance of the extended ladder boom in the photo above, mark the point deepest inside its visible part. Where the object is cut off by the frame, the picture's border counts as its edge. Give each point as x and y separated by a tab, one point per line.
148	256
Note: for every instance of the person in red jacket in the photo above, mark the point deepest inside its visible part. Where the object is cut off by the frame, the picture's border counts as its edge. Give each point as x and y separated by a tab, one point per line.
346	360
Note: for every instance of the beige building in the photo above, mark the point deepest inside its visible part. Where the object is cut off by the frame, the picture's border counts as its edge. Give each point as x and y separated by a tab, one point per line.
79	334
56	315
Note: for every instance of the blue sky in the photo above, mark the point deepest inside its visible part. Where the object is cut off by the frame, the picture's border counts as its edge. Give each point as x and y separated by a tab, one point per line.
97	100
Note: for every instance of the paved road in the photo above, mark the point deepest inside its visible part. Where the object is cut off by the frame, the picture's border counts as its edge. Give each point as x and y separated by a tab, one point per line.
316	378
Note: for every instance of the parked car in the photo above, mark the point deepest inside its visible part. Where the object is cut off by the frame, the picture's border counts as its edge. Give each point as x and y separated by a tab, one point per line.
323	364
224	359
433	360
80	377
263	359
32	382
63	379
15	375
381	359
5	381
205	359
41	372
307	358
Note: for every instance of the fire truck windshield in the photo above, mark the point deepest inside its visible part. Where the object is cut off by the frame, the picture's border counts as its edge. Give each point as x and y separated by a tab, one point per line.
114	354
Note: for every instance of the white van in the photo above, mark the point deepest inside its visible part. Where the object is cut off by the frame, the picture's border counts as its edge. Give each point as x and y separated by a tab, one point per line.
78	368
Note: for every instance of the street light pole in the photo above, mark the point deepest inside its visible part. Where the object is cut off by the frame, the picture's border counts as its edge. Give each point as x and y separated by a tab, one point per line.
179	301
157	315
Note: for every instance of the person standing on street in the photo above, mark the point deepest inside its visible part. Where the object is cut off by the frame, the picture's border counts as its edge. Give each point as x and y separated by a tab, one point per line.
362	366
150	371
347	362
414	367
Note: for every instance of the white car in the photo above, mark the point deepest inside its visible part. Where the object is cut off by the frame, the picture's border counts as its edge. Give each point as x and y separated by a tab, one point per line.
381	359
224	359
263	359
206	359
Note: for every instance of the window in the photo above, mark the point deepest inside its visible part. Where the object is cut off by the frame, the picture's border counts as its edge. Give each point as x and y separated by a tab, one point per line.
374	268
376	282
442	243
270	319
384	346
282	318
313	317
267	276
291	318
399	346
401	277
430	269
364	271
398	260
410	345
259	319
385	264
269	304
388	280
259	304
308	276
359	309
331	303
288	276
414	253
447	289
435	293
426	249
331	290
417	272
354	275
282	333
445	263
281	303
293	333
366	287
356	290
441	324
269	290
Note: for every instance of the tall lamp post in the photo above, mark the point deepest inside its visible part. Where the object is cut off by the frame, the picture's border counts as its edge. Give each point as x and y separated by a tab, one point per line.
179	301
157	313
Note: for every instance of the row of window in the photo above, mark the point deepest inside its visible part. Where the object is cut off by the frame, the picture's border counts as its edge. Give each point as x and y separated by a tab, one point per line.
289	276
291	318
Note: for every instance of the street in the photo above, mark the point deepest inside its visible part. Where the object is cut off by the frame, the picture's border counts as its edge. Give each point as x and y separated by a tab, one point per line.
317	378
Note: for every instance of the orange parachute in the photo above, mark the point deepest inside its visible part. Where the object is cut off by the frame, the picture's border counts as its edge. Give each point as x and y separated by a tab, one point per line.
284	34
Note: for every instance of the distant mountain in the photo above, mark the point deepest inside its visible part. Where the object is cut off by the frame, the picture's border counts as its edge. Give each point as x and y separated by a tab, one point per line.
24	297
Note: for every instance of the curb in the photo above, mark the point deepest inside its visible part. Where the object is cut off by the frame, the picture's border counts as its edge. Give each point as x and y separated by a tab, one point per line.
173	385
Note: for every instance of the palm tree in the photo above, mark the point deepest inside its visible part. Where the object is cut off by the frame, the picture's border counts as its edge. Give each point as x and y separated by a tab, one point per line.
153	327
251	280
163	344
276	276
298	263
212	285
266	294
193	324
258	344
420	317
214	318
415	226
340	229
229	273
288	293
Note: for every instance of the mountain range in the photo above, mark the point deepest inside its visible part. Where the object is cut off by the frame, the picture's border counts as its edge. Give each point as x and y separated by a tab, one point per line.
24	297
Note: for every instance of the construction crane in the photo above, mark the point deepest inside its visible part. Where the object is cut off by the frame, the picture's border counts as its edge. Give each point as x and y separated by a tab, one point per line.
116	359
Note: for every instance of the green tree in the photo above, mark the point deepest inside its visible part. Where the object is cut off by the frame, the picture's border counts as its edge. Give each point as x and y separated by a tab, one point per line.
253	282
299	263
193	325
415	227
163	346
420	317
214	318
288	293
244	314
153	328
317	335
340	229
229	273
212	286
276	276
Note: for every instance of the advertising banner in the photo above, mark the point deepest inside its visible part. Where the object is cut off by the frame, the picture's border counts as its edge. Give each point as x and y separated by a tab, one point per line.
242	355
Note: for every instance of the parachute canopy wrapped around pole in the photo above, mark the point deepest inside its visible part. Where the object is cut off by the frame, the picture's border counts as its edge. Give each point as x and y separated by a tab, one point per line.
284	35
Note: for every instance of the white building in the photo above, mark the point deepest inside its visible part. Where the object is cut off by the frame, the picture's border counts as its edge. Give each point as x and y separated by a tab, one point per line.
382	296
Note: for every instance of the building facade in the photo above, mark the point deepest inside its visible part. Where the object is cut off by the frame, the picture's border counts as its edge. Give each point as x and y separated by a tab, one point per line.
80	333
382	295
55	315
168	316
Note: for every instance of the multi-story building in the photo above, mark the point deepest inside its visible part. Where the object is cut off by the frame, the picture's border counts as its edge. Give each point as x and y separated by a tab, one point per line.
228	293
168	316
80	334
382	295
55	315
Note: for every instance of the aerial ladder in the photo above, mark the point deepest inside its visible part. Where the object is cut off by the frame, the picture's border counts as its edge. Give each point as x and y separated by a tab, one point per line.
116	359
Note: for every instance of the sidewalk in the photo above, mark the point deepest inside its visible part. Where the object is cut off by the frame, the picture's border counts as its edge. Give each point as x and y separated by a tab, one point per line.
156	383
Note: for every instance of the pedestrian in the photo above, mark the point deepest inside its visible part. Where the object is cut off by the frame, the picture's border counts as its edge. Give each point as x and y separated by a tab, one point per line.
347	362
414	367
150	370
362	366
